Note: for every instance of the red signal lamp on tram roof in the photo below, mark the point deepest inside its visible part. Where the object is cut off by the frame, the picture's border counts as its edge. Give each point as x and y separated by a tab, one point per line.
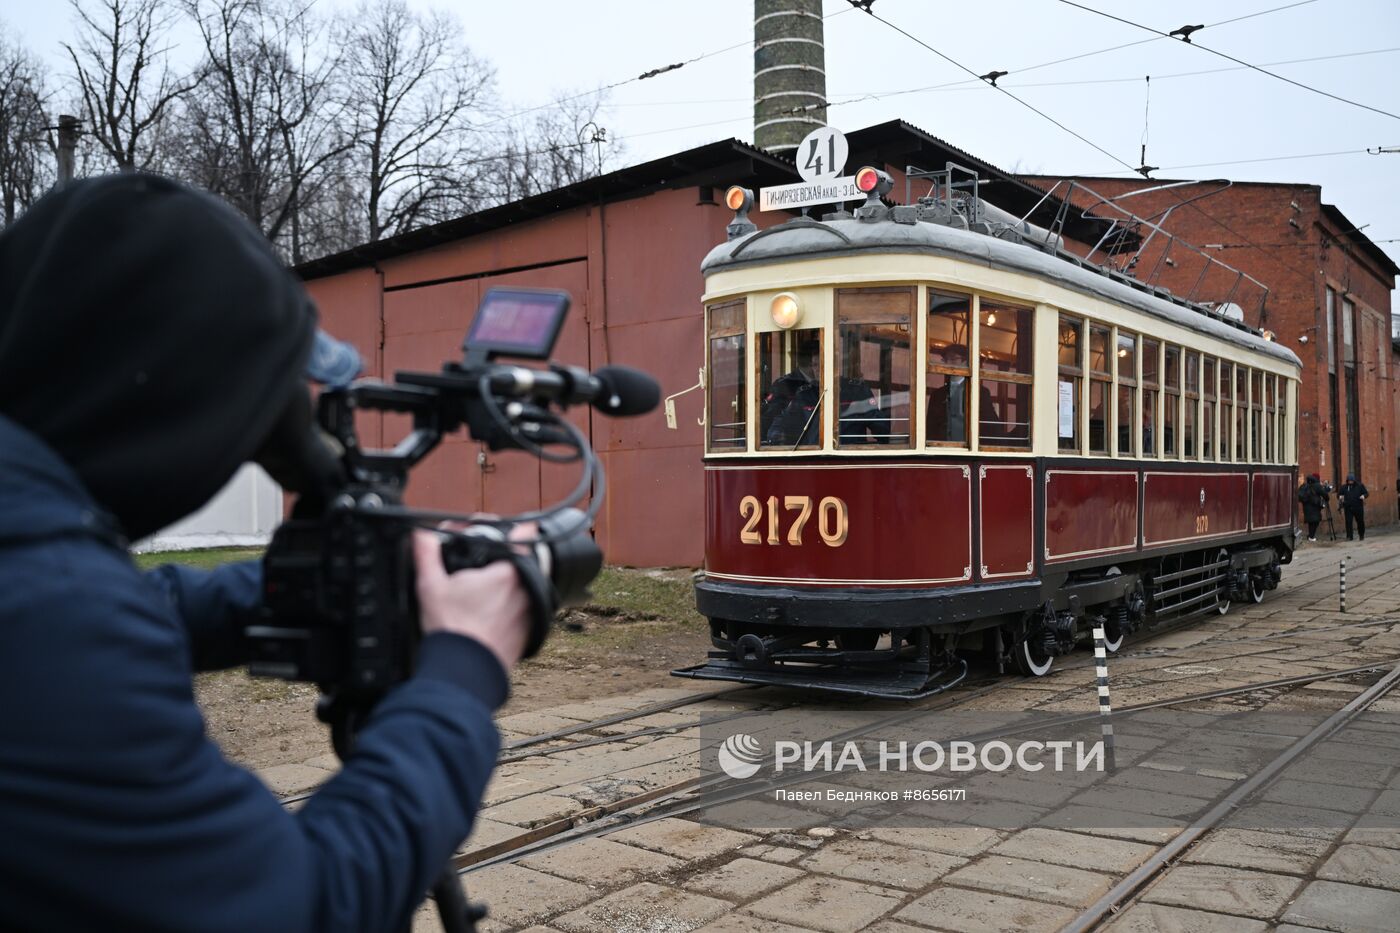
873	182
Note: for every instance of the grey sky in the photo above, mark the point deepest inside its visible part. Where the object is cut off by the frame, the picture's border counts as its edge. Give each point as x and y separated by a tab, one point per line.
543	47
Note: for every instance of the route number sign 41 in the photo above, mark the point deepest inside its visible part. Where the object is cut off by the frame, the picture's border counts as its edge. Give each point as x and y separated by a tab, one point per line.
821	156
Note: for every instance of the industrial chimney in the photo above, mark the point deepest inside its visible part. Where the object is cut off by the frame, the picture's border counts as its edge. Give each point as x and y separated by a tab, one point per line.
789	73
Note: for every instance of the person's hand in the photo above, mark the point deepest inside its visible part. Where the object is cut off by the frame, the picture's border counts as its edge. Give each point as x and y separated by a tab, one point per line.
486	603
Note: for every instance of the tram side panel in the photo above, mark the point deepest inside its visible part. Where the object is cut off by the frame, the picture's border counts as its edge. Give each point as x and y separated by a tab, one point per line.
1090	514
895	526
1006	521
1184	507
1272	497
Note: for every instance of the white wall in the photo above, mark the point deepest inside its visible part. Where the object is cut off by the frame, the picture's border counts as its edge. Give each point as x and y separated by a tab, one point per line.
244	513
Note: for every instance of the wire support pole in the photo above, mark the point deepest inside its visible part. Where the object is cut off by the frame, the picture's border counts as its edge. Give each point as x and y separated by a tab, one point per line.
1105	704
1343	585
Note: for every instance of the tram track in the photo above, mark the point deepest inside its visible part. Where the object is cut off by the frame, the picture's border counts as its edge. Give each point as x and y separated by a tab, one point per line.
680	798
1136	883
529	747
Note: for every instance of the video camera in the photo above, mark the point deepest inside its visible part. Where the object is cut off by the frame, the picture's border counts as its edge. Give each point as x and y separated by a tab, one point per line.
340	607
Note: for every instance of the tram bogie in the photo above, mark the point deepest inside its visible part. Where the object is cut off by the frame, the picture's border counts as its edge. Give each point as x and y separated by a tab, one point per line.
881	508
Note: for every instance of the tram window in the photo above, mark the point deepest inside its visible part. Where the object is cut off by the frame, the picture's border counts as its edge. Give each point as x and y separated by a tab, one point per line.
1256	415
1150	383
1193	400
1208	410
1071	378
1004	365
789	411
1127	390
1241	400
1283	420
875	365
949	372
1270	412
726	415
1227	418
1171	399
1100	381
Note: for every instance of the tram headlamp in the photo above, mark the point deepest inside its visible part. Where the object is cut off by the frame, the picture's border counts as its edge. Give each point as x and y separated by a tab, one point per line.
739	199
786	310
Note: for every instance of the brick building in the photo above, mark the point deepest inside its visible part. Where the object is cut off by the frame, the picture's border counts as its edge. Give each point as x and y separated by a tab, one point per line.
1328	301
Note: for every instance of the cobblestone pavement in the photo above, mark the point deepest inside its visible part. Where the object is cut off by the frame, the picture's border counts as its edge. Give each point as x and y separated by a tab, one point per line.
1298	858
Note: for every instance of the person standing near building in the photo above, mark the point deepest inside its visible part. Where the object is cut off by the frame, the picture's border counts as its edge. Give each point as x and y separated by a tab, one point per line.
1313	495
1353	498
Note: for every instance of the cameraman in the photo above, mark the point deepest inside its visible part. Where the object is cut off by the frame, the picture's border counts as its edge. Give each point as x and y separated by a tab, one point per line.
1313	495
150	343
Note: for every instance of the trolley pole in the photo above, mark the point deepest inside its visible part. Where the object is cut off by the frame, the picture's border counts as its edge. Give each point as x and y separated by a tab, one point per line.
1105	706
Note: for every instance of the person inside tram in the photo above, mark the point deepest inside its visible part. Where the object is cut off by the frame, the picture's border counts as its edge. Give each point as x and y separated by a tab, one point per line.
789	416
947	405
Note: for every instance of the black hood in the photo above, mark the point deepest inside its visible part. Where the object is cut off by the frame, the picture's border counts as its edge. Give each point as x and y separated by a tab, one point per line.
151	337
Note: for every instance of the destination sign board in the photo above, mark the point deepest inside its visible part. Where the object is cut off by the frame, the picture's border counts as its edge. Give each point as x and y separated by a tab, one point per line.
805	194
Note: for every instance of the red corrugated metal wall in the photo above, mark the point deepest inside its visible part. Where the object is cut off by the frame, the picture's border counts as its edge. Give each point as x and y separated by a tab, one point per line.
634	274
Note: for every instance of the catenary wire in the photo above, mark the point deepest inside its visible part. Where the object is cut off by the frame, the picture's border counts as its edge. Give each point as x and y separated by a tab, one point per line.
871	13
1061	61
652	73
1238	61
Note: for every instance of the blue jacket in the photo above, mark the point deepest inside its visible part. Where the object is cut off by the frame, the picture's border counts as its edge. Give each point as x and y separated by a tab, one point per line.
118	813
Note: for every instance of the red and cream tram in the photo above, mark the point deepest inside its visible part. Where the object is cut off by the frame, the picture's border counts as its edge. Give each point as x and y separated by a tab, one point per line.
926	438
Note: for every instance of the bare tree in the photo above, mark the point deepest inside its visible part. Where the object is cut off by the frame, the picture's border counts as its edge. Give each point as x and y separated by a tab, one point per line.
308	115
413	88
560	145
121	69
25	155
266	127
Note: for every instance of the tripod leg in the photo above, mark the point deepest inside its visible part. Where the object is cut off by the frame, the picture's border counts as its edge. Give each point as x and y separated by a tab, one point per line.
456	914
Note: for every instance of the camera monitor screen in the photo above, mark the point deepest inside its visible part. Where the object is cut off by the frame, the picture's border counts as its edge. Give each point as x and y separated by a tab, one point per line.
520	322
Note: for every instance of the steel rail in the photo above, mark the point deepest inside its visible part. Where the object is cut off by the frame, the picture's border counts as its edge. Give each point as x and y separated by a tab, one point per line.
1129	886
592	823
668	705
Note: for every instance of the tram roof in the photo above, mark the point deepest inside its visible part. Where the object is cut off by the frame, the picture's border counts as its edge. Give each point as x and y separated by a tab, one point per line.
802	239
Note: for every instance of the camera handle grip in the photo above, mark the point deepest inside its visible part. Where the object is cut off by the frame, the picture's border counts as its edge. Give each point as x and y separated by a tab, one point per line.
468	551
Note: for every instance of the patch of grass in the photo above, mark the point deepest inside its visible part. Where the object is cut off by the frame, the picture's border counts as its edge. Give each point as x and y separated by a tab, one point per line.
206	557
665	595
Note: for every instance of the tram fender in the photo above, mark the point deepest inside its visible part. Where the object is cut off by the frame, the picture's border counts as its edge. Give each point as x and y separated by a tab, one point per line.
875	609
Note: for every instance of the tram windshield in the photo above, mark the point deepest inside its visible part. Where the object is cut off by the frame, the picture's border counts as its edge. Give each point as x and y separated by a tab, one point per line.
790	389
875	365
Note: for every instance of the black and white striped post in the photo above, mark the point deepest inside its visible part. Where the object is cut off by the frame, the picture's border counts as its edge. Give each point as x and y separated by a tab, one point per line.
1344	584
1105	706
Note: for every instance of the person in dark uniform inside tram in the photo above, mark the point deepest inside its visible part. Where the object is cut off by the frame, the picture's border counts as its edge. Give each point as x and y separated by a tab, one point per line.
789	415
1313	495
1352	496
948	403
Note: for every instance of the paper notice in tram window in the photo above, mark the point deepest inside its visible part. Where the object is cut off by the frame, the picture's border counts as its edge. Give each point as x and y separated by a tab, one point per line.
1066	409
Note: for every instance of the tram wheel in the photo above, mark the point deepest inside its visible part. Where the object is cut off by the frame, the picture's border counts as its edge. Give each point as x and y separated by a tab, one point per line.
1113	634
1257	587
1031	662
1223	605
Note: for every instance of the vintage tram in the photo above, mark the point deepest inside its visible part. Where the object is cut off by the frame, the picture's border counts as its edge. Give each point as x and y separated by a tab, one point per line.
928	437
